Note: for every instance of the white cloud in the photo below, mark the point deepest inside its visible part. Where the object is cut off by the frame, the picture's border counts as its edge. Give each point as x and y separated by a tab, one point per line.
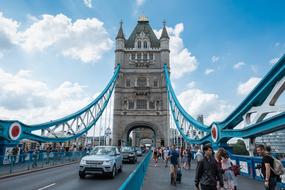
1	55
88	3
140	2
246	87
84	39
182	62
277	44
8	32
196	102
209	71
32	101
239	65
274	60
215	59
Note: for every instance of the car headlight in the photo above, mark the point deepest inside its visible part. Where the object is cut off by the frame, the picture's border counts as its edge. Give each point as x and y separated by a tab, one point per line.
107	162
83	162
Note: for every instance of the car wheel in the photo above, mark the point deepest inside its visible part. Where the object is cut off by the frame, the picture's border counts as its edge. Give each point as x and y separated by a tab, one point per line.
82	175
121	168
113	174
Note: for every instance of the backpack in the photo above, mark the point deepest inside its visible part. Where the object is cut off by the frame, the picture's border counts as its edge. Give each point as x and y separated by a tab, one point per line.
278	168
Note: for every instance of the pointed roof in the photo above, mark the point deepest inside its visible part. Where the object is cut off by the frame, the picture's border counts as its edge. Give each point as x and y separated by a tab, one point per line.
143	26
164	33
120	32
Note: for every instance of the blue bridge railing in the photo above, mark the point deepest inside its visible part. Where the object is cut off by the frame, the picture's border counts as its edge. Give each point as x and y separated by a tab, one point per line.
31	160
249	167
135	180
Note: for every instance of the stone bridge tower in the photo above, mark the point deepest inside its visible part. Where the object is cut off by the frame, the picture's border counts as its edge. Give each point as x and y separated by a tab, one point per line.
140	94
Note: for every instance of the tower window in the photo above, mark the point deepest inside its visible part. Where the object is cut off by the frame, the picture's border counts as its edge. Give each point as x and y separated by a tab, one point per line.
155	83
133	56
151	105
151	56
145	44
139	44
131	104
141	104
142	82
128	83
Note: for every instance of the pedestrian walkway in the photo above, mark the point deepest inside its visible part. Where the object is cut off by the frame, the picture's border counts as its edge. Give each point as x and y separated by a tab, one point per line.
158	178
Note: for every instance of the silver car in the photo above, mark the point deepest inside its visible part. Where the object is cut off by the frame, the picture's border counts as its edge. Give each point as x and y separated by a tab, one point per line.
101	160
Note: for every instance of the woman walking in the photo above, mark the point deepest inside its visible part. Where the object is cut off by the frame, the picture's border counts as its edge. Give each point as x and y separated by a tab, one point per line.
155	156
230	181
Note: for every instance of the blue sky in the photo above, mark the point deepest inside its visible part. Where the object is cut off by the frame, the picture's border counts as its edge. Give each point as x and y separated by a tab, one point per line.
56	56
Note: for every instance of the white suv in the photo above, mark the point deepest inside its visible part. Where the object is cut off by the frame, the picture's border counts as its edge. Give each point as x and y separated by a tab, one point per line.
101	160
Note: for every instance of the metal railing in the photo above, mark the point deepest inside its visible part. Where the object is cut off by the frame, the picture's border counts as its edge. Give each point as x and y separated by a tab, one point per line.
35	160
249	167
136	178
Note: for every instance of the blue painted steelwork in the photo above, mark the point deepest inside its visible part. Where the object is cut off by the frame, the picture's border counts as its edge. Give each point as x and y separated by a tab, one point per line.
135	180
77	123
257	95
224	130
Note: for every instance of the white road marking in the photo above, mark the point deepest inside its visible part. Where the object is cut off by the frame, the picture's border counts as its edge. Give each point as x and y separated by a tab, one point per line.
47	186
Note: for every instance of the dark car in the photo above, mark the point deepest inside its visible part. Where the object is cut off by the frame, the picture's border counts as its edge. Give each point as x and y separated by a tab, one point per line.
129	154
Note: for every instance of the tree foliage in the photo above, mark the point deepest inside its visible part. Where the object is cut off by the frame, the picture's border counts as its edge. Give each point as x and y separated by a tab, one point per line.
240	148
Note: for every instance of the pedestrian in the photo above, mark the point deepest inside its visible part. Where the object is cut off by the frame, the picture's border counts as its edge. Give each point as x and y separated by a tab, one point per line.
225	163
189	158
199	156
166	151
208	171
173	156
270	179
15	152
155	156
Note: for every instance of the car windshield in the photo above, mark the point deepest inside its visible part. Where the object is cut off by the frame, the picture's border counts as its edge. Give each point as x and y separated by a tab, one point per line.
103	151
127	149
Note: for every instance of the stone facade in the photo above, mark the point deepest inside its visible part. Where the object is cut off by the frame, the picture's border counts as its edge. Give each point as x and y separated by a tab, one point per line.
140	94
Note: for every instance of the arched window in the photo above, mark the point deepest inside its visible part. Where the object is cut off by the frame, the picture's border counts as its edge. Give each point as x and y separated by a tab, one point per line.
139	44
145	44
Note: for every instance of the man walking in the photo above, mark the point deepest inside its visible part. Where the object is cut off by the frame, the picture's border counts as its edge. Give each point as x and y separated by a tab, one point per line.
270	179
173	155
208	171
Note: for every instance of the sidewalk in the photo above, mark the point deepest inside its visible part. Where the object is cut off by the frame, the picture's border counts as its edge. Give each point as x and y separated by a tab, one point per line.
158	178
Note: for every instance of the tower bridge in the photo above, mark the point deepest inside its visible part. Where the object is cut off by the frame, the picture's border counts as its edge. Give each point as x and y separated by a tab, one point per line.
145	102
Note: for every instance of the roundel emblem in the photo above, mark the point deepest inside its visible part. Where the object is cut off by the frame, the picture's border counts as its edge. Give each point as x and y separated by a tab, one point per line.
15	131
214	132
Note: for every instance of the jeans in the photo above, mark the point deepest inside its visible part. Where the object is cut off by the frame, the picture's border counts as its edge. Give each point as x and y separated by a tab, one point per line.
272	184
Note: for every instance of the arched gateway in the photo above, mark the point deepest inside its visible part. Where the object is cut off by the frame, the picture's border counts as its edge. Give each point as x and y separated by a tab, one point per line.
140	94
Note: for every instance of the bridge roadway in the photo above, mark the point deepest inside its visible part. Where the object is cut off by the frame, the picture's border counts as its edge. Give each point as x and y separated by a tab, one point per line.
158	178
65	178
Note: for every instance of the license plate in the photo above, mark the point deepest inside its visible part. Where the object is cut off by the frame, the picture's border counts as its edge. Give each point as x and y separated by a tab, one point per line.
94	165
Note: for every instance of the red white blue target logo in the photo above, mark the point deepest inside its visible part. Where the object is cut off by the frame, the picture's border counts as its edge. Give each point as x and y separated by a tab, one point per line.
214	132
15	131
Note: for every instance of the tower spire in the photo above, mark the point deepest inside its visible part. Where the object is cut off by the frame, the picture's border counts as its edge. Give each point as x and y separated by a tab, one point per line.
120	32
164	33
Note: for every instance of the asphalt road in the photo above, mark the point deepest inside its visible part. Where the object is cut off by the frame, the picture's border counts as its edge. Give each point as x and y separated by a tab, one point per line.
65	177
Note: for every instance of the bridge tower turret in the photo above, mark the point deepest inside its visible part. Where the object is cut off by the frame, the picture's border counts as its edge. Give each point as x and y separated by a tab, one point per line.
120	45
164	46
141	100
